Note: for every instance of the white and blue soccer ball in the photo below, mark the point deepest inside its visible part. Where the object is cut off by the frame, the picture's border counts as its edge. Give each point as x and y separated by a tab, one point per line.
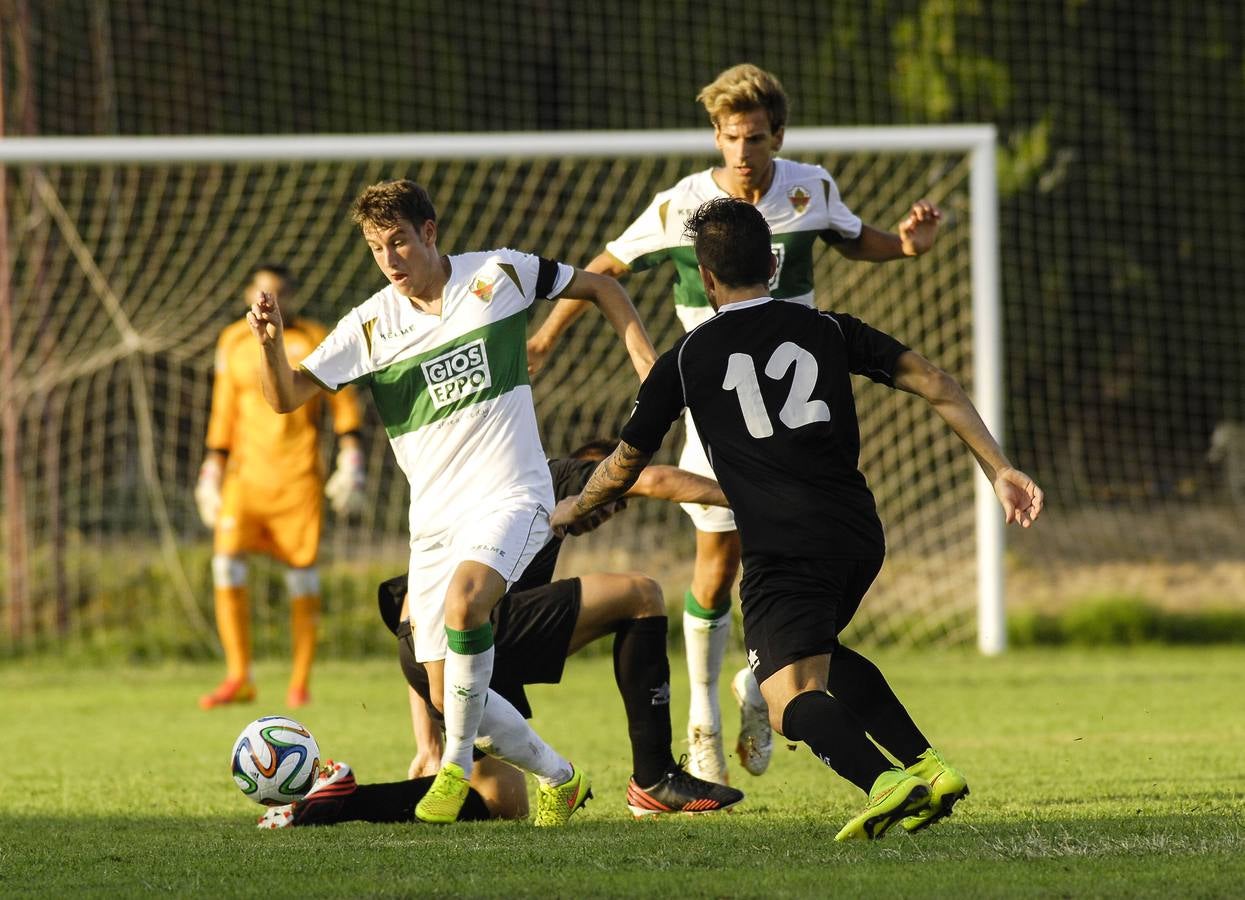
275	761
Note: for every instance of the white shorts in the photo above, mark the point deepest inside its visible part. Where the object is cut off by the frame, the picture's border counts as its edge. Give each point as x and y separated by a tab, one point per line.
503	539
693	459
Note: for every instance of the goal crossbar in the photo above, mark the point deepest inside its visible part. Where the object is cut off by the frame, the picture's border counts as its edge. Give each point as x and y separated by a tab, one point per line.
481	145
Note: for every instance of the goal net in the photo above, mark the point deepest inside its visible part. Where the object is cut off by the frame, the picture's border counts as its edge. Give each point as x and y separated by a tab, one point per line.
125	259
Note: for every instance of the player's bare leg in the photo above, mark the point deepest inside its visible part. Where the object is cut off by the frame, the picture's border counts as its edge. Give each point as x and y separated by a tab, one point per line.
473	592
706	633
474	712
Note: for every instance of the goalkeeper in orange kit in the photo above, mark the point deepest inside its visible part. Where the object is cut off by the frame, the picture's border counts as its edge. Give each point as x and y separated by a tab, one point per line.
260	489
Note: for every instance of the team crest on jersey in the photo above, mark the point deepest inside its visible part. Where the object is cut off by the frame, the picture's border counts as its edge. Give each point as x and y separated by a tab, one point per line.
459	373
483	288
799	198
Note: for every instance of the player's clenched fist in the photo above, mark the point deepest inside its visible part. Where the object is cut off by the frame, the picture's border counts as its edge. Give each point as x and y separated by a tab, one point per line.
918	231
265	319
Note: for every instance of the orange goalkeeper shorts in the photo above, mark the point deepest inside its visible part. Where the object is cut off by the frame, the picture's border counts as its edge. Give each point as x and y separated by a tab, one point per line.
282	521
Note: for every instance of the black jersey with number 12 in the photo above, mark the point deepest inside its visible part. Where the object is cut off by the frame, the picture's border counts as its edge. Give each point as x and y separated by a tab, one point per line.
768	384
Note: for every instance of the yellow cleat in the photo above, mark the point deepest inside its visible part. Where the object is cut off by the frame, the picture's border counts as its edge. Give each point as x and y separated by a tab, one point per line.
947	786
896	794
445	799
556	805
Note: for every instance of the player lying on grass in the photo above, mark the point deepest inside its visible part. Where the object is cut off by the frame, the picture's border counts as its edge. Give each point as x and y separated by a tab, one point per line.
768	384
536	627
748	109
442	349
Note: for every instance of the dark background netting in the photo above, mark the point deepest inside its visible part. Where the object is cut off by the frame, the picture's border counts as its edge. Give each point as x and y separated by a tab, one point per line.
1120	175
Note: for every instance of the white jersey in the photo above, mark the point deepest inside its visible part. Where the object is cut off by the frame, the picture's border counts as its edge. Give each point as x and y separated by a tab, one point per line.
452	390
801	205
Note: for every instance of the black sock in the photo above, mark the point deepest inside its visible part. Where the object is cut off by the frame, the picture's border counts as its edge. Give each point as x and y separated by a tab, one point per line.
391	802
860	685
835	736
642	671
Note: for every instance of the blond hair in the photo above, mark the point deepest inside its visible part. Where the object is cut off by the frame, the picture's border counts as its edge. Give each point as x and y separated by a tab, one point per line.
743	88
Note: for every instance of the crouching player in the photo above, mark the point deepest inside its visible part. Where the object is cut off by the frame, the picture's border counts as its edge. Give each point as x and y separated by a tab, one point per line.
536	627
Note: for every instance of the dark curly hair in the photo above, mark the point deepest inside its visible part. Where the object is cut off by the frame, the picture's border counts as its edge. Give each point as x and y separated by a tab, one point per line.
732	241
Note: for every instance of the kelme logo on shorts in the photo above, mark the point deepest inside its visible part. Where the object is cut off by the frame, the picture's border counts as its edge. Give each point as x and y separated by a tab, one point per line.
459	373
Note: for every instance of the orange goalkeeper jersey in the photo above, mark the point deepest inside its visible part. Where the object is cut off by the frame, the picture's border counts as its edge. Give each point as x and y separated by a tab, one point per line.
268	448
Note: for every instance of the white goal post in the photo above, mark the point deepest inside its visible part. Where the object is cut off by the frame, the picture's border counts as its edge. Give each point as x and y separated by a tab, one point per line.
976	142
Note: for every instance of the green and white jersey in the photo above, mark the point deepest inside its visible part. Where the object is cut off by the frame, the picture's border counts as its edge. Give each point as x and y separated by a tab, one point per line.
452	390
801	205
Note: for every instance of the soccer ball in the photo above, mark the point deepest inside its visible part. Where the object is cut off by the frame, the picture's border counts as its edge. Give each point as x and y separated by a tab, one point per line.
275	760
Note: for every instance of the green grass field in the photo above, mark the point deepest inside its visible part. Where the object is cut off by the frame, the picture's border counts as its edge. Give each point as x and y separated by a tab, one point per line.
1094	773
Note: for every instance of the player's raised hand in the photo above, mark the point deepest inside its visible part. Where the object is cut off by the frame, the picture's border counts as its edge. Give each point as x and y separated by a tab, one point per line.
1021	497
265	319
918	231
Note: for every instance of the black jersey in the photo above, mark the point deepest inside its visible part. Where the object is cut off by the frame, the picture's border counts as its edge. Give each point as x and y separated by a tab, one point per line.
768	385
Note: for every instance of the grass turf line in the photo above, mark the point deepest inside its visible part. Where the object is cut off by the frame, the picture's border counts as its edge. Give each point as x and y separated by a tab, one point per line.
1104	772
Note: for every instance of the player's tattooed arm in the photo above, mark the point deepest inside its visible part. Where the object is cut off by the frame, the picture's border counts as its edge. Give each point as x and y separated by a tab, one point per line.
608	482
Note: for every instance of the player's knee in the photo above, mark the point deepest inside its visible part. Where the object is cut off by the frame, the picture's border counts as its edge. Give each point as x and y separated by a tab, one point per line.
228	571
776	703
467	609
647	597
303	582
775	721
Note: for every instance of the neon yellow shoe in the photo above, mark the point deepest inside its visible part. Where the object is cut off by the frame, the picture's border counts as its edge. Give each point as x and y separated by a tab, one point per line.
445	799
947	786
555	805
895	795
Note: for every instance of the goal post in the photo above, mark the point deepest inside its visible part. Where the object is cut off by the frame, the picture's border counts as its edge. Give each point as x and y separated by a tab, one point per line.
149	238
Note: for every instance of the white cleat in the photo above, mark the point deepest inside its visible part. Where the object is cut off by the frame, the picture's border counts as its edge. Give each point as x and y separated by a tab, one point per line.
278	817
756	738
705	758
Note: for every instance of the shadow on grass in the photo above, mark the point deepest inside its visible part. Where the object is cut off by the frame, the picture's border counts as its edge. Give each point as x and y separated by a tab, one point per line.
737	854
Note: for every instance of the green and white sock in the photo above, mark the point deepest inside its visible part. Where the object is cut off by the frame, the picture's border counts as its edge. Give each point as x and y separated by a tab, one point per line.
705	635
468	671
506	735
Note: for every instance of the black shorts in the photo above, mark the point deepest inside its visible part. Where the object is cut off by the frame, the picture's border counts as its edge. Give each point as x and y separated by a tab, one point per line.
795	608
531	640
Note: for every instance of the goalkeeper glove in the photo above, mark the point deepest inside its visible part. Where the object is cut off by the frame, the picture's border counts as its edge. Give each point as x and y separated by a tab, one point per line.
207	491
345	486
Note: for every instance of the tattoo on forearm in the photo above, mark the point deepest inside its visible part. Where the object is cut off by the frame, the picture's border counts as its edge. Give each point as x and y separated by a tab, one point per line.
613	478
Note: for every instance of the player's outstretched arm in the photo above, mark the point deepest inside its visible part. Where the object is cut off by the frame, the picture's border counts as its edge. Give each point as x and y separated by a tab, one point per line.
285	388
564	314
678	485
1019	495
616	306
916	236
609	481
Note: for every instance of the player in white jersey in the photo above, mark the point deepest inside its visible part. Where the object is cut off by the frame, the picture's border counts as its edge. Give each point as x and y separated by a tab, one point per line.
442	349
801	204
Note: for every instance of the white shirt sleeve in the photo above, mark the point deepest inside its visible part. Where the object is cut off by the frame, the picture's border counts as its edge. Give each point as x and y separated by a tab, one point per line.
843	224
539	278
644	243
345	356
